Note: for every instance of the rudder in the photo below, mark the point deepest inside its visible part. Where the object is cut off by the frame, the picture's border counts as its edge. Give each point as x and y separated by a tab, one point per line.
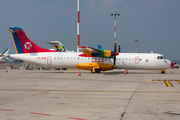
22	44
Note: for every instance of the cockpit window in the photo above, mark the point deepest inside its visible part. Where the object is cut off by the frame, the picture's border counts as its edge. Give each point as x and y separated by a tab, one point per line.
161	57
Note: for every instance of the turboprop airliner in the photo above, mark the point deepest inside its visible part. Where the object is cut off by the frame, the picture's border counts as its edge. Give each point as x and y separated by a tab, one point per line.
90	59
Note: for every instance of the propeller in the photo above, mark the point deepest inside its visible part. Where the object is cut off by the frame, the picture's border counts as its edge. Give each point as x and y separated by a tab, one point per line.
119	48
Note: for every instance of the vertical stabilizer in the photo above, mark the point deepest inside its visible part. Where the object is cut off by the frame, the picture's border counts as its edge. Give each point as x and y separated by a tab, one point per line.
5	53
57	46
22	44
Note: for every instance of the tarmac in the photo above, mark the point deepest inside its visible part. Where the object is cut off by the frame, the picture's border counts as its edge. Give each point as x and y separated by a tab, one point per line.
109	95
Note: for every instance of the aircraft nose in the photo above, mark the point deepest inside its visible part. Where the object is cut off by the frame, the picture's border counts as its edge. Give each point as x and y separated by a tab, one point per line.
115	53
172	64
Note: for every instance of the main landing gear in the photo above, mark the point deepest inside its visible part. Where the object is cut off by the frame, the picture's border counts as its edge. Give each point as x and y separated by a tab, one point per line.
163	71
95	70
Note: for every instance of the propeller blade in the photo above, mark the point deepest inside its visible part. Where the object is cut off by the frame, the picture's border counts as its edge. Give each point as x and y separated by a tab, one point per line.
119	48
114	60
115	47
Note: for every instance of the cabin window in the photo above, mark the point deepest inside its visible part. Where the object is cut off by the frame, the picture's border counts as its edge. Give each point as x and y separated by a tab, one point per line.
122	59
61	58
126	59
140	59
161	57
81	58
74	58
119	59
133	59
106	59
88	58
102	58
64	58
67	58
78	58
129	59
55	58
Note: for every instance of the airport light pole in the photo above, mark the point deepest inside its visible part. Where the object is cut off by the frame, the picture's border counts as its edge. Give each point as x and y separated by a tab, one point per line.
115	14
78	20
136	45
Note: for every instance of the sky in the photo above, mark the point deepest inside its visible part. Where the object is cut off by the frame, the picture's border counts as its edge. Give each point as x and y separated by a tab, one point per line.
154	23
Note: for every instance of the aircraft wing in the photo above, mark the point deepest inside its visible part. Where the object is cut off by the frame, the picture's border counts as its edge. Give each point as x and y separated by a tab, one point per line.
88	51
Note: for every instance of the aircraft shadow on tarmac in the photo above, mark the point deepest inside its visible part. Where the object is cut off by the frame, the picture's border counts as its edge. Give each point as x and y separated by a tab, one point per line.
103	72
171	113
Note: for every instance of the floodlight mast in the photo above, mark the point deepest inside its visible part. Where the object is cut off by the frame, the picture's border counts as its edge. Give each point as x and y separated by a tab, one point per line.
78	20
115	14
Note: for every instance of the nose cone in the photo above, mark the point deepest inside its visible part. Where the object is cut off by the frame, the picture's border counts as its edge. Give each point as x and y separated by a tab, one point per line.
115	53
172	64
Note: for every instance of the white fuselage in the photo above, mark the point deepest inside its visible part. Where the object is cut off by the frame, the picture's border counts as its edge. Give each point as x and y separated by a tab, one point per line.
149	61
2	58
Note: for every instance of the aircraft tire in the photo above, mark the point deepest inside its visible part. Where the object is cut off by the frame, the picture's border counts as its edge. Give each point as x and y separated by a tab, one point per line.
97	70
93	70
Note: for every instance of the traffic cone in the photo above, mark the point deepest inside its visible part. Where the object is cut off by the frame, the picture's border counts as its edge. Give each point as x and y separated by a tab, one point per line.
6	70
125	72
79	73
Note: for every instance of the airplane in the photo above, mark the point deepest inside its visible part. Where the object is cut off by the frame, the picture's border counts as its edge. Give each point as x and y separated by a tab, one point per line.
57	46
28	51
4	55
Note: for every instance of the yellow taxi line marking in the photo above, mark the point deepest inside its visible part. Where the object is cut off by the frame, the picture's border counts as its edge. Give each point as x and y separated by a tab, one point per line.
178	81
168	84
164	80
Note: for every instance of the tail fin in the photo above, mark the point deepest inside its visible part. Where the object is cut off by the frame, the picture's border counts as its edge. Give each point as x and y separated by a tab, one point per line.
57	46
22	44
5	53
100	47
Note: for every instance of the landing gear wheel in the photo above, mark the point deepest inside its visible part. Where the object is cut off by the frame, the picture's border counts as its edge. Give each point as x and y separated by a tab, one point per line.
163	71
97	70
93	71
